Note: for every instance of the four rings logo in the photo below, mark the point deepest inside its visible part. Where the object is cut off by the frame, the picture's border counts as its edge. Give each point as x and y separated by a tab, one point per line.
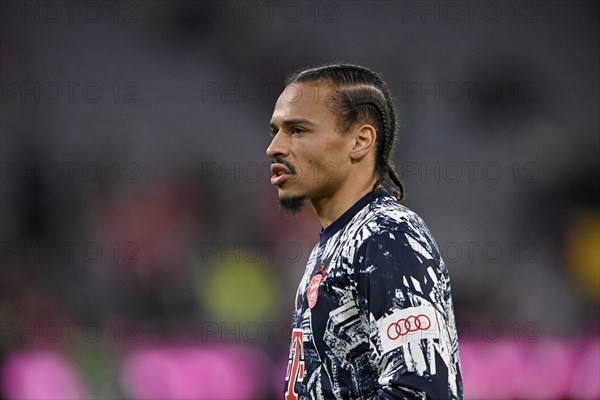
409	324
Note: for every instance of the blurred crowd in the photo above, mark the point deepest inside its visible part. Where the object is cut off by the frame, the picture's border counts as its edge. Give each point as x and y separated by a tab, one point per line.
143	253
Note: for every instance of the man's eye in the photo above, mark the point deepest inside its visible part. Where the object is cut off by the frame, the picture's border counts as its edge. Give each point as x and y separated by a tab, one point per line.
297	130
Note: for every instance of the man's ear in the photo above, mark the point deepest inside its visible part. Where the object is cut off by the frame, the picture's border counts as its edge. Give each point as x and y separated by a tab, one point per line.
365	137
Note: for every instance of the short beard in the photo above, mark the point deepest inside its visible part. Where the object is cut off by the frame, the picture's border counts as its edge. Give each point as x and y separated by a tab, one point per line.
291	205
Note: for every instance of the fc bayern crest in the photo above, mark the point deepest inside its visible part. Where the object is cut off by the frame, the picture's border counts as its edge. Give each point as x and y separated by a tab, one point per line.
312	293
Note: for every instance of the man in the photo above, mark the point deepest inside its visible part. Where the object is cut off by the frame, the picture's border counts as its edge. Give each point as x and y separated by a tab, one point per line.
373	315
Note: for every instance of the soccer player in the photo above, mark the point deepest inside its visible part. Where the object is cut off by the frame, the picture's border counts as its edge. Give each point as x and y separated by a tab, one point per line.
373	316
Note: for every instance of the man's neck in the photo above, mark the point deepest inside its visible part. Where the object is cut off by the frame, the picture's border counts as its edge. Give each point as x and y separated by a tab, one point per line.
330	208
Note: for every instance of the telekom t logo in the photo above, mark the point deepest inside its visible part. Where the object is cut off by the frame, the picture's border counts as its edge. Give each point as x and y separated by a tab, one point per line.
295	369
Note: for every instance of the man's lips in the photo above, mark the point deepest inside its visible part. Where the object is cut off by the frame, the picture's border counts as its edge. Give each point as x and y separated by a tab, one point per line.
279	173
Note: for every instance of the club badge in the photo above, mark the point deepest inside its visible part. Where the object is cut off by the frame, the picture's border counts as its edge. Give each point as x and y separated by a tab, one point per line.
312	294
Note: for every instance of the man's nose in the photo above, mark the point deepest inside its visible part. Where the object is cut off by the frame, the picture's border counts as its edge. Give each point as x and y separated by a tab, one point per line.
278	147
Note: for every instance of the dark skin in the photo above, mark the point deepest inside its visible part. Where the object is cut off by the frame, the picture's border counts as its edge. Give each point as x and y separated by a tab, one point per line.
333	169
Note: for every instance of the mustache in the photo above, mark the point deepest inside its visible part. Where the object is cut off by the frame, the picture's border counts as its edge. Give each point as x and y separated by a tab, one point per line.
288	164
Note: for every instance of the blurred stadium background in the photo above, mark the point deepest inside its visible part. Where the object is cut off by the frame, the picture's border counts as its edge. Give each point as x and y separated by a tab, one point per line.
143	254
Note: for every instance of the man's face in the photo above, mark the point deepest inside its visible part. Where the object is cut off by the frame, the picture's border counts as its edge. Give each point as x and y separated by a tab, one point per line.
311	157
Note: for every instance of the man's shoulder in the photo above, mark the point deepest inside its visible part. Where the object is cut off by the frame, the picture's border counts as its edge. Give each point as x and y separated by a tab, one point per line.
387	215
387	221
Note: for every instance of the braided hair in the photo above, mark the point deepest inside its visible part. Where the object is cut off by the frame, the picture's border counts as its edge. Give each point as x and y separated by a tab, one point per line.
360	95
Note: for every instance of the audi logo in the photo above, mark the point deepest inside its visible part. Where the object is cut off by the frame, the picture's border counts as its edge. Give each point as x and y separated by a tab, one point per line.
406	325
